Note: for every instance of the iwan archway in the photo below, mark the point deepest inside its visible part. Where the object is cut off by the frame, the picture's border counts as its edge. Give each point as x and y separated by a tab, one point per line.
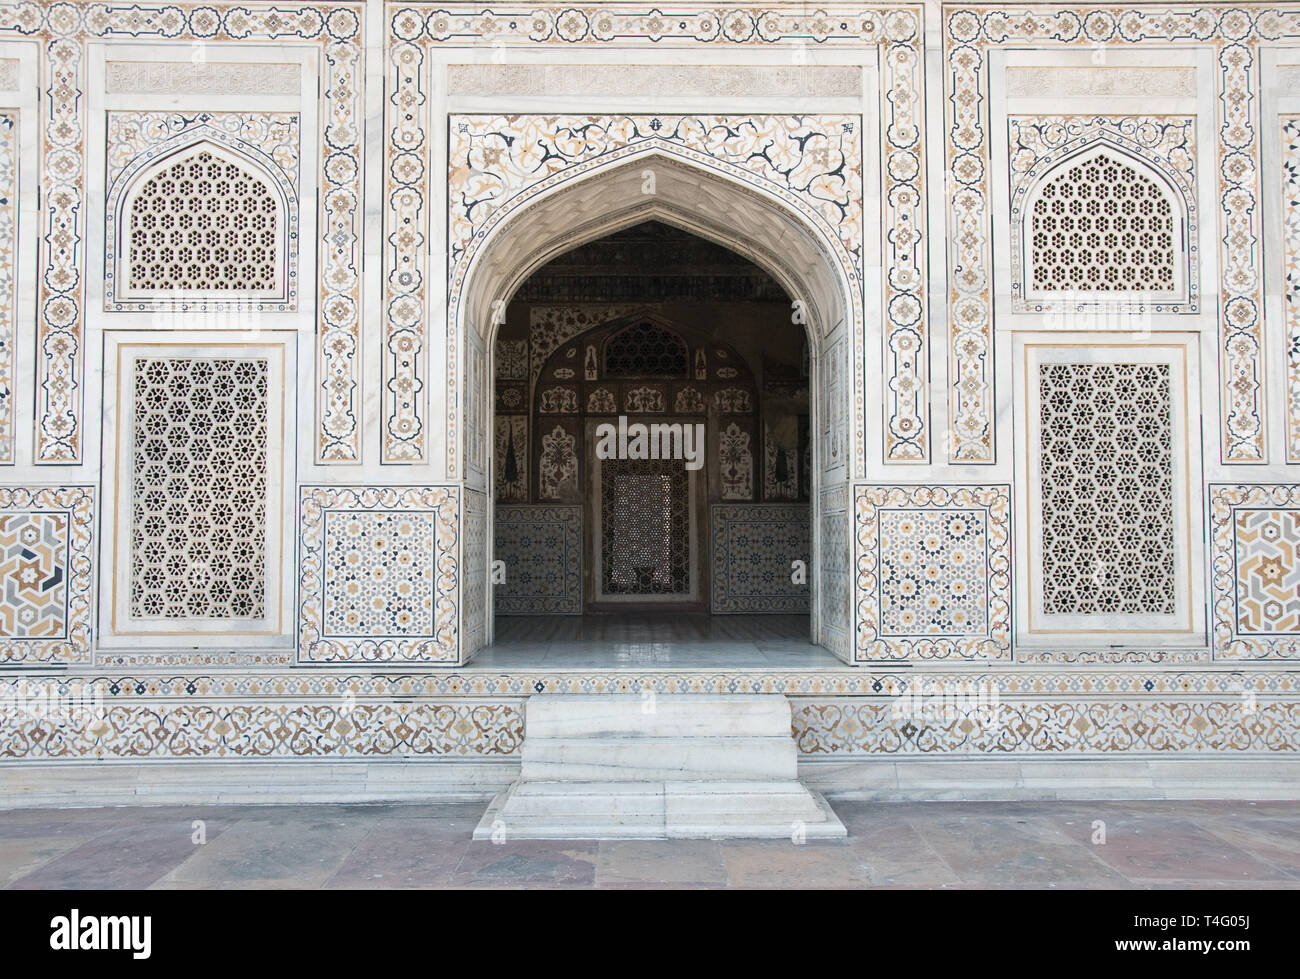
663	185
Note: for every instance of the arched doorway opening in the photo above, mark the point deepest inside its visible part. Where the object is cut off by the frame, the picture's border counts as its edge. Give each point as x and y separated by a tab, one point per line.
652	449
764	240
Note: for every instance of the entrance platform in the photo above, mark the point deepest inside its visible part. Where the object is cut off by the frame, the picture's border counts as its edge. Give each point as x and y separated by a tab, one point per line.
654	641
656	767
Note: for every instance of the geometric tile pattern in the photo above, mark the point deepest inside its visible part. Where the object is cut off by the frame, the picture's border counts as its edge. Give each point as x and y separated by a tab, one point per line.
333	29
1266	680
933	572
474	555
33	575
1038	144
206	230
1255	570
45	574
541	547
199	484
1047	727
1268	571
334	725
834	578
753	550
1060	256
1106	453
932	568
379	572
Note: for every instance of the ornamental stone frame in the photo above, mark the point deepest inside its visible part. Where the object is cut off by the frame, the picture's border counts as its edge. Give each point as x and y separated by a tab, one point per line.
889	35
1159	147
65	30
583	203
1235	35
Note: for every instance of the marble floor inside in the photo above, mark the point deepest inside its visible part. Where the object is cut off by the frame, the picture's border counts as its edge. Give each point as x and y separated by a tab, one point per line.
890	845
653	640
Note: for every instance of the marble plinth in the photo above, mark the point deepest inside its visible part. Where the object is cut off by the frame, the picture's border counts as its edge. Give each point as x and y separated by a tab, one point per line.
666	767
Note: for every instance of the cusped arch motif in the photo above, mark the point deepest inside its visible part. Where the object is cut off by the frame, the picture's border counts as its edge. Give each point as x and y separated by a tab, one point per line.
801	168
645	347
689	198
1099	225
1103	212
202	224
815	240
800	248
202	220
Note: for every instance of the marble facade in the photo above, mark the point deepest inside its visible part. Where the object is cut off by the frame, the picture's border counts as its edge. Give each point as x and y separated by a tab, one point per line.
881	161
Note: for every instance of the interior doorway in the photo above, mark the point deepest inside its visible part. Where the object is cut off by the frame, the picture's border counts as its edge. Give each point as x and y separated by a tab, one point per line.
653	459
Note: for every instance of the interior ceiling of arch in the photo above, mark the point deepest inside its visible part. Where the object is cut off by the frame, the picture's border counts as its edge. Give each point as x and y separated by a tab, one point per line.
648	262
684	196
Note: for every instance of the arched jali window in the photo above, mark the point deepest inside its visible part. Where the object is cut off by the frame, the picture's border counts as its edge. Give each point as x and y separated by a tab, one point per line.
646	348
1105	227
207	222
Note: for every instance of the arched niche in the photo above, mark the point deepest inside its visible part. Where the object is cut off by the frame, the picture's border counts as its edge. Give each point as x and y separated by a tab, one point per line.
201	223
693	197
1104	225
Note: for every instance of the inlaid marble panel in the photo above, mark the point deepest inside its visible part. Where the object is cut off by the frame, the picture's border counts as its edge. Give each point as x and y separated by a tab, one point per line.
541	549
1255	535
1291	283
1038	145
1233	37
1055	728
45	573
834	583
62	32
474	558
933	572
8	277
379	574
138	142
323	727
511	458
754	548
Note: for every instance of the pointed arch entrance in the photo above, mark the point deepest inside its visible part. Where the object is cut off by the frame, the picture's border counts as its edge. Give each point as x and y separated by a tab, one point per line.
742	217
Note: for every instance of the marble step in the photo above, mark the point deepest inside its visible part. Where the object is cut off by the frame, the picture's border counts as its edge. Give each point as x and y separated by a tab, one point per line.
593	799
675	766
658	758
663	716
637	798
666	810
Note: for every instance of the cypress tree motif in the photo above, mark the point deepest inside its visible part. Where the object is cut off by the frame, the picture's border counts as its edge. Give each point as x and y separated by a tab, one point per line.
512	464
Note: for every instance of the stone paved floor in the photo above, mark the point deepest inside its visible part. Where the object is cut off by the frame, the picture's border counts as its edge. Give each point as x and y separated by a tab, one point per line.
653	641
923	845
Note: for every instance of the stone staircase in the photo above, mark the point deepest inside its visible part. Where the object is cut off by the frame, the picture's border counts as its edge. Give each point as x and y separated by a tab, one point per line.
677	766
